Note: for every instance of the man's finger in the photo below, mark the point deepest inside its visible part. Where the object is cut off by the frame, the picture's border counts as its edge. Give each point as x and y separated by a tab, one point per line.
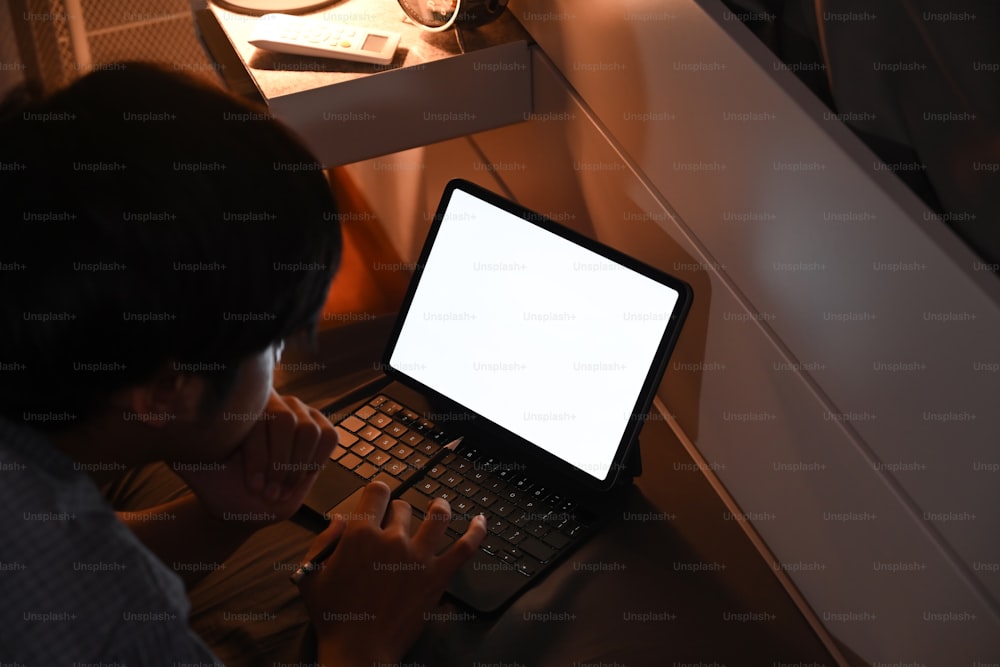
280	442
463	548
307	434
373	503
436	520
398	517
328	436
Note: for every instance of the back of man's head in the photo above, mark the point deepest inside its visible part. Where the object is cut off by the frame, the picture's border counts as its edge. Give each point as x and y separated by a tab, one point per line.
148	218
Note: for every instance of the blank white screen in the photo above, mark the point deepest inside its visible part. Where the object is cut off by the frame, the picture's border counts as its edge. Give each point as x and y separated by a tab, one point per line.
535	333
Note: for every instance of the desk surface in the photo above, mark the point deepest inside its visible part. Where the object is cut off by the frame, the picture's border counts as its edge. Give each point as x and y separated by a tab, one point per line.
278	74
439	86
674	581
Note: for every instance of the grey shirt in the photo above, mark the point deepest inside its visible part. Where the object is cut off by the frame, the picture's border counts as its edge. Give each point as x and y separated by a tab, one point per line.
77	586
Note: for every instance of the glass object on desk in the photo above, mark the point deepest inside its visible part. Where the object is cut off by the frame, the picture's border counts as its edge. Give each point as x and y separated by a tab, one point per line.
440	15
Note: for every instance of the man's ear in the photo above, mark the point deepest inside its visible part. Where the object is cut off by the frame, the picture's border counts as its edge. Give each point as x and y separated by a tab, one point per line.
168	397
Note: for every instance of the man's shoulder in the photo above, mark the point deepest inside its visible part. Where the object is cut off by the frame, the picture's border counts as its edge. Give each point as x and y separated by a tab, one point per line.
76	580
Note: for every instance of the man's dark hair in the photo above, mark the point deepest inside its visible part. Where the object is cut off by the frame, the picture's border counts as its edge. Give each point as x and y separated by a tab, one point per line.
149	218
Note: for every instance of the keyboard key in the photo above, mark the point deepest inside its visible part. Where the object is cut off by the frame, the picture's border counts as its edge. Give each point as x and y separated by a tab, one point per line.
484	498
370	433
514	551
513	535
408	416
537	528
349	461
364	412
413	439
391	407
366	470
507	557
462	505
451	479
468	489
418	461
394	466
385	442
425	425
537	548
362	448
352	424
498	526
378	457
461	465
436	471
492	545
380	420
344	437
428	486
502	508
377	401
428	447
532	507
395	429
337	452
527	566
447	494
401	451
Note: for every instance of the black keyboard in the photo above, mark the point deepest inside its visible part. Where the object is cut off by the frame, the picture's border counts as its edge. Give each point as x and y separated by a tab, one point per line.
529	523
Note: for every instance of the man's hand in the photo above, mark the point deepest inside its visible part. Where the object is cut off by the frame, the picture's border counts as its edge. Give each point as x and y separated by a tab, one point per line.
367	601
268	476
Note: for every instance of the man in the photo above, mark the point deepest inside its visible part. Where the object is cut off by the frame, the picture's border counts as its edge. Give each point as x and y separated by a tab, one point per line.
159	241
